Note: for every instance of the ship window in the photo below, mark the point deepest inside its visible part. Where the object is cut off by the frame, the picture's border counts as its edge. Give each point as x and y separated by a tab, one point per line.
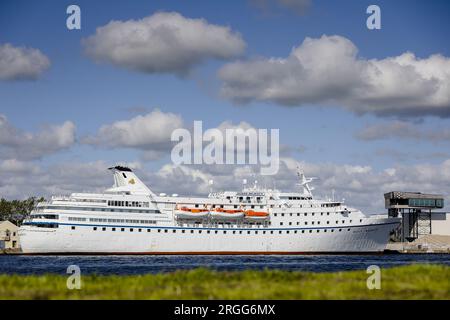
310	231
281	223
103	229
340	230
173	231
124	175
343	221
306	214
290	223
287	231
131	229
73	228
360	220
192	231
282	214
113	229
275	214
303	231
224	232
165	230
328	222
279	232
306	223
318	222
348	229
318	230
325	230
312	222
216	231
271	232
95	228
313	212
350	221
159	230
240	232
123	229
298	214
328	213
248	232
183	231
295	231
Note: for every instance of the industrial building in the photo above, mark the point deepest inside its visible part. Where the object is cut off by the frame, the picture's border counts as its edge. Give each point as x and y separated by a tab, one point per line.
419	213
9	238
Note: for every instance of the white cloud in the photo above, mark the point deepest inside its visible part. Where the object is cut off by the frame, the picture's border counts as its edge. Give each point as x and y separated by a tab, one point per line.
20	63
15	143
150	132
402	130
165	42
328	71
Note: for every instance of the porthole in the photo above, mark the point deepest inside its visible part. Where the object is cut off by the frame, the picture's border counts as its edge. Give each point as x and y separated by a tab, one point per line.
95	228
103	229
73	228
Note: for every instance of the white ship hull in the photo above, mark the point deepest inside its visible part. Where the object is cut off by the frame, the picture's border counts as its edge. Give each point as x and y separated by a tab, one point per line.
82	240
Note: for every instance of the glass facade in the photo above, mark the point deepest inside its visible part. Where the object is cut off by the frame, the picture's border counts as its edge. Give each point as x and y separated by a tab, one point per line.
427	203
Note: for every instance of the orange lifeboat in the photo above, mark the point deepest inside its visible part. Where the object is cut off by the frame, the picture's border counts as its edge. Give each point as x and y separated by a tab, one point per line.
251	214
221	213
190	213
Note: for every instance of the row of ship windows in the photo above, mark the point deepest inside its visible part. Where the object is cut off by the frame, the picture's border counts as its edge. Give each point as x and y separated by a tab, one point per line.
306	214
113	220
217	231
318	222
99	209
138	204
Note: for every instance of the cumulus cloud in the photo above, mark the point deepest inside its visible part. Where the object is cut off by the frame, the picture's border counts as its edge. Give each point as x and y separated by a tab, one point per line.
328	71
15	143
20	63
402	130
150	133
165	42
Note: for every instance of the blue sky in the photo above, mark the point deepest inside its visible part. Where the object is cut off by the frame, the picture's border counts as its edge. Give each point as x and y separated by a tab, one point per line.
91	94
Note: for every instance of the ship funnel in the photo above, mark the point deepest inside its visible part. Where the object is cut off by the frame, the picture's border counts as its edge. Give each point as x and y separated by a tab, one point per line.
125	180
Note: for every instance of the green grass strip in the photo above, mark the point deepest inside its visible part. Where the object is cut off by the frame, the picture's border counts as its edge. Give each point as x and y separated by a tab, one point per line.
407	282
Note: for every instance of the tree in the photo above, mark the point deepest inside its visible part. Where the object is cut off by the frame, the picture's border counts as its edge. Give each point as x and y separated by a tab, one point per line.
17	210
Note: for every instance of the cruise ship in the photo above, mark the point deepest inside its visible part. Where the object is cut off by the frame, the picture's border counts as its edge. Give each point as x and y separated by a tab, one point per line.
129	218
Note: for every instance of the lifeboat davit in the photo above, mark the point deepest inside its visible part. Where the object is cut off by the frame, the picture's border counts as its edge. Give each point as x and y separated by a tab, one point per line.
191	213
251	214
226	214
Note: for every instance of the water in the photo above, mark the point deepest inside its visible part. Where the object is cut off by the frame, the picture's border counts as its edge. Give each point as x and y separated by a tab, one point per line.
121	265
